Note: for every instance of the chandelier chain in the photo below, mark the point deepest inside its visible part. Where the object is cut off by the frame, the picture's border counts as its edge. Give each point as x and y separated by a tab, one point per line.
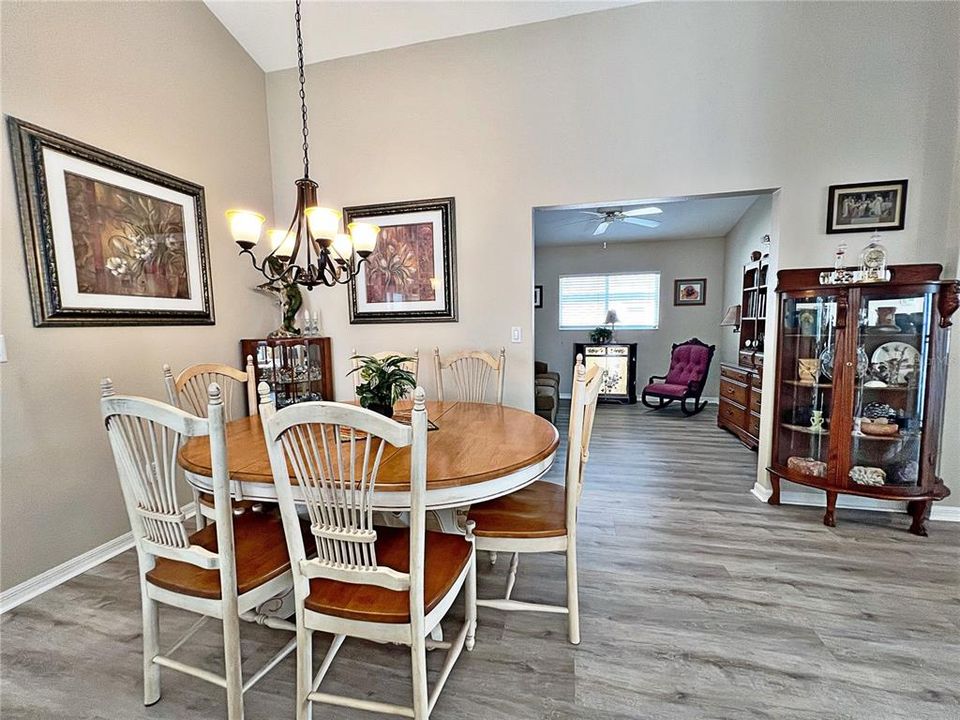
303	97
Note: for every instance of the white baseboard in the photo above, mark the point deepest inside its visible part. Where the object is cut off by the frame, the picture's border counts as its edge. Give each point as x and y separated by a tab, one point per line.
944	513
29	589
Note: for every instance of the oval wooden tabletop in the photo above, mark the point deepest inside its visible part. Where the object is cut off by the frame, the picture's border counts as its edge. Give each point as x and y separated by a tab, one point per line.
473	443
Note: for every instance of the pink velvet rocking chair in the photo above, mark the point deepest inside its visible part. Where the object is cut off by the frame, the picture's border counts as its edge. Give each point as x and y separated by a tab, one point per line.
689	366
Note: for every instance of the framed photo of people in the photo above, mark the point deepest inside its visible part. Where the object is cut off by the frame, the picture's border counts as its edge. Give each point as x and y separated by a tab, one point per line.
867	207
108	241
411	276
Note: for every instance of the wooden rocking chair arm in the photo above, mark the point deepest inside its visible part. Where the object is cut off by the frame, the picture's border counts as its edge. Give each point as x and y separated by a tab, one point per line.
656	377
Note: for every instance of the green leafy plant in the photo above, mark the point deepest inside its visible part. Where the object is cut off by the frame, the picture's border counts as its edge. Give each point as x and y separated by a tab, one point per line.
601	335
383	381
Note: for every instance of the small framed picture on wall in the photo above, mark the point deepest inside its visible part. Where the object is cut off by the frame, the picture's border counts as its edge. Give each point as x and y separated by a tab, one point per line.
538	296
690	291
867	207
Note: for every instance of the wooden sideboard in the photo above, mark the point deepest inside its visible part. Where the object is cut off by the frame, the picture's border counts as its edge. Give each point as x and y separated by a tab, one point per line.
741	390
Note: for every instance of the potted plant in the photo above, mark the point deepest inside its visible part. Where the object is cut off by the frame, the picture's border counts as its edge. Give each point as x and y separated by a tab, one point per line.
601	335
383	381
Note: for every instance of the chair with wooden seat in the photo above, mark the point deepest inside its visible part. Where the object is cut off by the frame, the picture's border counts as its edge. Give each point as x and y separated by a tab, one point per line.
224	571
412	366
388	585
188	391
471	371
542	517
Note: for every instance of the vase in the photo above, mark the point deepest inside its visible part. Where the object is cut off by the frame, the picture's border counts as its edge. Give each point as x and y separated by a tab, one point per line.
385	410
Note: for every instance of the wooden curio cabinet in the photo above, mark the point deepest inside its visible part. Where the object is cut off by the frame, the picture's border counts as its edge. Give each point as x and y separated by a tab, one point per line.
861	374
297	369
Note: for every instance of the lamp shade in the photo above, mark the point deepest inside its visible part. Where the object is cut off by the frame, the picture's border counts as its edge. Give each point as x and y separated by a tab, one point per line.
343	246
364	237
731	318
611	318
324	222
283	242
245	226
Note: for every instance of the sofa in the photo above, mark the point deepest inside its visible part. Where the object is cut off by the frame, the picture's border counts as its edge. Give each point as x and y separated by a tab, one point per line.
547	391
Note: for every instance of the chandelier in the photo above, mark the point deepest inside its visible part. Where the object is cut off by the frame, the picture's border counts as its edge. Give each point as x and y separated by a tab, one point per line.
311	251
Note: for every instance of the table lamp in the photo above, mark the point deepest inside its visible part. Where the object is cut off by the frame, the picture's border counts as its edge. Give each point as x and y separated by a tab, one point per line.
731	318
612	321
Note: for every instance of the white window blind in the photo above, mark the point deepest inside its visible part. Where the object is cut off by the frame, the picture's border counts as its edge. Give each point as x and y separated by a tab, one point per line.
585	299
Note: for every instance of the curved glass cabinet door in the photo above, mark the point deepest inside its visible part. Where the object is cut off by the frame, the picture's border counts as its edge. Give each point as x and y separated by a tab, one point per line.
806	399
888	408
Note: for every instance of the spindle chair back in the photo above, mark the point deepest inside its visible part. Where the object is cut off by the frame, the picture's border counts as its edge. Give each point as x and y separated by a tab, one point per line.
334	453
188	390
146	436
471	371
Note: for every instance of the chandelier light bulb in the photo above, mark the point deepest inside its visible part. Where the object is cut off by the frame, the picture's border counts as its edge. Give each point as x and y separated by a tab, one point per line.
282	242
245	227
324	222
364	237
343	246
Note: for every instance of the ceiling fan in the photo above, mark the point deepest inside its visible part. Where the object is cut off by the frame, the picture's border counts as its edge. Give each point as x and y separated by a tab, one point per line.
608	217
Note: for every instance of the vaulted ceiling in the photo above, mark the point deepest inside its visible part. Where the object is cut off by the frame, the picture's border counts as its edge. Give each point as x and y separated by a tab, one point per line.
336	29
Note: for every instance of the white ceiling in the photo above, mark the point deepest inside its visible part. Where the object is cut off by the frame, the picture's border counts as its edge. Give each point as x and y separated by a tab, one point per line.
340	28
680	219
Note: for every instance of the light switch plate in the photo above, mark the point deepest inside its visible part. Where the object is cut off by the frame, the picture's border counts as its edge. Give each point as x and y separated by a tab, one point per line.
516	335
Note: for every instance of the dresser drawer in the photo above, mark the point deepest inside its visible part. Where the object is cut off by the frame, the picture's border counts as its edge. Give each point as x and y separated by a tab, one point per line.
734	373
730	414
755	398
734	391
754	426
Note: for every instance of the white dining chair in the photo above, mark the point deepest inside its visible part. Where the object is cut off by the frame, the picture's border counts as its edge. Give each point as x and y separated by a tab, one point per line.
542	517
471	371
412	366
224	571
385	584
188	391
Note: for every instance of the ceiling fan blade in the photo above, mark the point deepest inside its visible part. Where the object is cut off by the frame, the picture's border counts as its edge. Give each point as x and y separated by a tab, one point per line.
578	221
641	221
602	228
642	211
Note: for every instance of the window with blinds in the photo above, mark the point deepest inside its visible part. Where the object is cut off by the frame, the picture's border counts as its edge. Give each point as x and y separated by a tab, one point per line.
585	299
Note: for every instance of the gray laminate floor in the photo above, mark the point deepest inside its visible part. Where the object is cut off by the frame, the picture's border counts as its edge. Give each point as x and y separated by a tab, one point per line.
697	602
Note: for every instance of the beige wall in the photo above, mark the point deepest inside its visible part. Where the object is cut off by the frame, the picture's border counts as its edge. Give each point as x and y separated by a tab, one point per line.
647	101
672	259
743	239
163	84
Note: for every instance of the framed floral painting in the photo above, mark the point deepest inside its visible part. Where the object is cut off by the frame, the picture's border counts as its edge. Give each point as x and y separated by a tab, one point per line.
108	241
690	291
411	276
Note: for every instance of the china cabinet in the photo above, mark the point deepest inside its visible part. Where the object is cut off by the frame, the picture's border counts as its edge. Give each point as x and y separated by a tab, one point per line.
296	368
619	361
860	382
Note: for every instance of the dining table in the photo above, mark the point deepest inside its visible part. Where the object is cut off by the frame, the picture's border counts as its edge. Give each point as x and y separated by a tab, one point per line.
475	452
